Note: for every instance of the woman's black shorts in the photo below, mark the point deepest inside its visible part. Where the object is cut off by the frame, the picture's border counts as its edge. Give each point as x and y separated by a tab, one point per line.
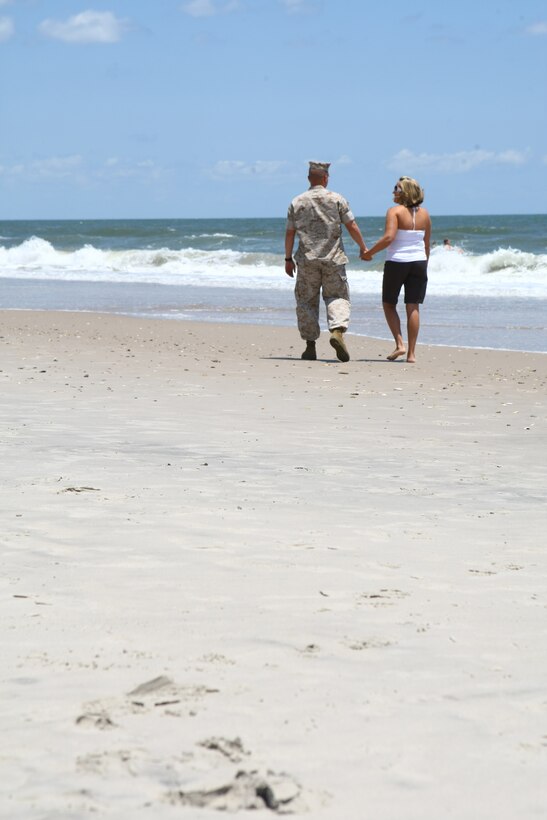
411	275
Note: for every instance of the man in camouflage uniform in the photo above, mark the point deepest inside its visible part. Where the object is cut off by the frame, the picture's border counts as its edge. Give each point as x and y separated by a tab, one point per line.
317	216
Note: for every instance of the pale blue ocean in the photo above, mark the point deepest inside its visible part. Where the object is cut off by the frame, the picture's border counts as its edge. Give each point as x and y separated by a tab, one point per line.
491	291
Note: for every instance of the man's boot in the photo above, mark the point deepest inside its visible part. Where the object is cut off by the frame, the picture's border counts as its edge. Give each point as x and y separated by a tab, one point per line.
337	342
309	352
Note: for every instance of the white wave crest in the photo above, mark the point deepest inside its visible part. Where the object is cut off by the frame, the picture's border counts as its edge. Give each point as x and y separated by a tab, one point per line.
36	258
210	236
504	272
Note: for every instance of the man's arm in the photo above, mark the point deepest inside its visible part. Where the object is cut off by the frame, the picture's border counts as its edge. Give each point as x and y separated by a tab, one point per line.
290	234
355	233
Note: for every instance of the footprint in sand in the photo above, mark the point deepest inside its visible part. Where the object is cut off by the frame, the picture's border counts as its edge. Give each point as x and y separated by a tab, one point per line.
370	643
232	749
246	791
153	694
384	597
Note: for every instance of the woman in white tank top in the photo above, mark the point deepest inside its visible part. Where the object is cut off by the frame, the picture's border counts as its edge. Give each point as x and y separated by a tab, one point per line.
407	239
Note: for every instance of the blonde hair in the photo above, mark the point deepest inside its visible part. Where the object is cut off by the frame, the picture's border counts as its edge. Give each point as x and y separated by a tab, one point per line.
411	192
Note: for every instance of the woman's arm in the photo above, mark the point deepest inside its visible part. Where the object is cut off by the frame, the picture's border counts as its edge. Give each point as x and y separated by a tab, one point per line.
427	236
392	223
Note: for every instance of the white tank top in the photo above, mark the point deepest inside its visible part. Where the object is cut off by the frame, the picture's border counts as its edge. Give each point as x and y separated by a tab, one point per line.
408	246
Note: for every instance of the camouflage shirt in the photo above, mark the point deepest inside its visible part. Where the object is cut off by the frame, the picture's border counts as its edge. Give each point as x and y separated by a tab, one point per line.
317	216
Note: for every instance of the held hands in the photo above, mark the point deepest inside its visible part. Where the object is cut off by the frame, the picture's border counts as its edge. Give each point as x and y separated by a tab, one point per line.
365	255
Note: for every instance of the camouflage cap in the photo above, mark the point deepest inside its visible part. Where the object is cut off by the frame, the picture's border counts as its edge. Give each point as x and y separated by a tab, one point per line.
319	167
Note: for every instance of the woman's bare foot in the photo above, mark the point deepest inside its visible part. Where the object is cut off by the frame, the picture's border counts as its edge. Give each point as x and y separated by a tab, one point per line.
399	351
411	359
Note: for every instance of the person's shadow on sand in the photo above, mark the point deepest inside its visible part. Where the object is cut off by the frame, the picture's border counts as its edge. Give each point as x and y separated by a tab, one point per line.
326	360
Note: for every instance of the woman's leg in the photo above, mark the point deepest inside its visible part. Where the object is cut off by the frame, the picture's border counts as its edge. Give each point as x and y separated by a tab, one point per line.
394	324
415	289
391	287
413	328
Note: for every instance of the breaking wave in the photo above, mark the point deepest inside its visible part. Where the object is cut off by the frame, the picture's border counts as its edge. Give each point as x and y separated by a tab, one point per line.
504	272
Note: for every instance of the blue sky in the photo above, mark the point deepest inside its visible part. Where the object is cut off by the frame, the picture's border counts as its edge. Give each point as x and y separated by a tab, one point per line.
211	108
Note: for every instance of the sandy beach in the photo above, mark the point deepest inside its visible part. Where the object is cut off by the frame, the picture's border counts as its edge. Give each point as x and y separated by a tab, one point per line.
233	580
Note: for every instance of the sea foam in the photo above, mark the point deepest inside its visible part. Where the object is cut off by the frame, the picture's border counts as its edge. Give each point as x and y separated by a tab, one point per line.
503	272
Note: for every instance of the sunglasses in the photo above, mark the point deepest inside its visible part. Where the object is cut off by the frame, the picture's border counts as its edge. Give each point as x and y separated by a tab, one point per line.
397	190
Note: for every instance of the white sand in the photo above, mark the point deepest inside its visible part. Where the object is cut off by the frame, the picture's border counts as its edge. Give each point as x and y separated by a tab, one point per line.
334	575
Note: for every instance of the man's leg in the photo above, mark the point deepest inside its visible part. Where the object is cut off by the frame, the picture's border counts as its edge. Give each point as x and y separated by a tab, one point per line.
337	303
306	292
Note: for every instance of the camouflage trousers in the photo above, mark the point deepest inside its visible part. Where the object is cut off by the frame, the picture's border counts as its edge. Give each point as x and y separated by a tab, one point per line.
311	279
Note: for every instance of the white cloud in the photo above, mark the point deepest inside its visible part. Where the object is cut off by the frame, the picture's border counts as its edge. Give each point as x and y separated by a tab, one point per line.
56	167
86	27
75	169
456	163
6	28
50	168
11	170
237	169
141	171
510	157
208	8
299	6
200	8
537	29
293	6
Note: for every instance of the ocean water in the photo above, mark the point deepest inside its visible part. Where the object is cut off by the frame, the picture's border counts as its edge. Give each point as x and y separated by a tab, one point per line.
489	291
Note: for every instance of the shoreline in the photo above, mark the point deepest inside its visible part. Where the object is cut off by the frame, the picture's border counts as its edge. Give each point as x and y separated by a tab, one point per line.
220	559
518	325
290	325
179	327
